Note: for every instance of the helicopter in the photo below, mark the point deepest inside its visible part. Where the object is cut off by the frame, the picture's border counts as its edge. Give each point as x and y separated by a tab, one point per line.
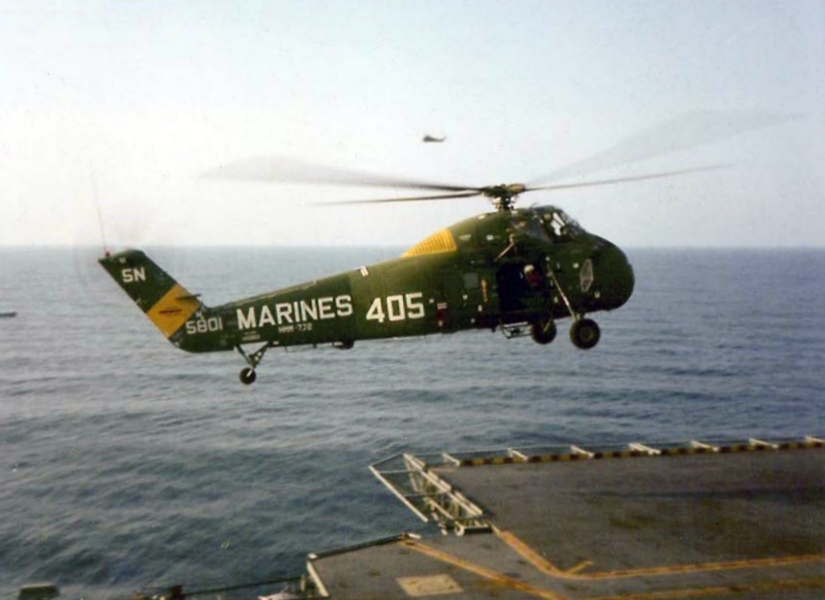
500	270
514	270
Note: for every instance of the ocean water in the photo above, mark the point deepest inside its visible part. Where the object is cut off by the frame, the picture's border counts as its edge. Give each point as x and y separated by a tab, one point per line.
126	463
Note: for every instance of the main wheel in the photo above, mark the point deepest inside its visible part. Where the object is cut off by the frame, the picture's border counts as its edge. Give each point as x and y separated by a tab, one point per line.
543	332
585	334
247	376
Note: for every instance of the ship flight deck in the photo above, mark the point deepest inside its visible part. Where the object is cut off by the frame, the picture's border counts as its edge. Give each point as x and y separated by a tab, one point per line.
637	522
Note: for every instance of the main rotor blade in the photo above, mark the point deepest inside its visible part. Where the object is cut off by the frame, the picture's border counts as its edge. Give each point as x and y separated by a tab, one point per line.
680	133
563	186
288	170
402	199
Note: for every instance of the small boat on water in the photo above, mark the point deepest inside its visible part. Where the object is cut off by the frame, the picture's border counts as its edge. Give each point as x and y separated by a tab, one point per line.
7	314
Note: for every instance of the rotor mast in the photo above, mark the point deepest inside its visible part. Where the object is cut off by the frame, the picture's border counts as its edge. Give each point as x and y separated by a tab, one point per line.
503	196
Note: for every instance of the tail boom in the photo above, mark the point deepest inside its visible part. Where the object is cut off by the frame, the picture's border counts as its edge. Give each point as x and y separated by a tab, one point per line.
162	299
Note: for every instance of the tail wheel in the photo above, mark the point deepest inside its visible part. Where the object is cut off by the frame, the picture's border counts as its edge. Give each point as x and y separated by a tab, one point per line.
247	376
585	333
543	332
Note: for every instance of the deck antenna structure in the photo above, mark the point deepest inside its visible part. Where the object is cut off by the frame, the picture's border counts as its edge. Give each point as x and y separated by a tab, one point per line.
96	200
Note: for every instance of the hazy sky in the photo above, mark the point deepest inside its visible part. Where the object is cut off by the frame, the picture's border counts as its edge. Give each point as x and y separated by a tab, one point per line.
137	99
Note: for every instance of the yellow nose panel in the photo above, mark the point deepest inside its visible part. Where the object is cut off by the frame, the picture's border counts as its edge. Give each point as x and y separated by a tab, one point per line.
435	244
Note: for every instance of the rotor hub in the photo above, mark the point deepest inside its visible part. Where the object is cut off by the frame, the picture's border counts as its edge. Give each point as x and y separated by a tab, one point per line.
503	196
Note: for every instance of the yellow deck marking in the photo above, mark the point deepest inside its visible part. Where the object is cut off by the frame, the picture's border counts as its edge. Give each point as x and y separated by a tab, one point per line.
530	555
489	574
173	310
727	590
579	567
731	589
545	566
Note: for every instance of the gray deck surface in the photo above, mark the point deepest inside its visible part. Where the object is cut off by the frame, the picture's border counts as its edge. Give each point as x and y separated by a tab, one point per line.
739	525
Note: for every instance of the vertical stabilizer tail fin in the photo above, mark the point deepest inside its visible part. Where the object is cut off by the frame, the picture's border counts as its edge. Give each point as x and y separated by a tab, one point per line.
162	299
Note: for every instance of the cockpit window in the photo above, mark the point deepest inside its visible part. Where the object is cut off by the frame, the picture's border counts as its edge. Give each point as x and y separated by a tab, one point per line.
532	226
559	225
547	224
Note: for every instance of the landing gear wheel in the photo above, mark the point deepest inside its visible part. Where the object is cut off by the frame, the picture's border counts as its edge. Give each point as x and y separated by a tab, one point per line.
585	334
543	332
247	376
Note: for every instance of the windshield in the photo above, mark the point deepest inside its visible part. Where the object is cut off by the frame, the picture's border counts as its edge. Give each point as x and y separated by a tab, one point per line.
558	224
532	226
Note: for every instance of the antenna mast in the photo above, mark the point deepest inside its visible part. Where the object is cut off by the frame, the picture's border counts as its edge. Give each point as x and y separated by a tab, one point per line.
99	216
